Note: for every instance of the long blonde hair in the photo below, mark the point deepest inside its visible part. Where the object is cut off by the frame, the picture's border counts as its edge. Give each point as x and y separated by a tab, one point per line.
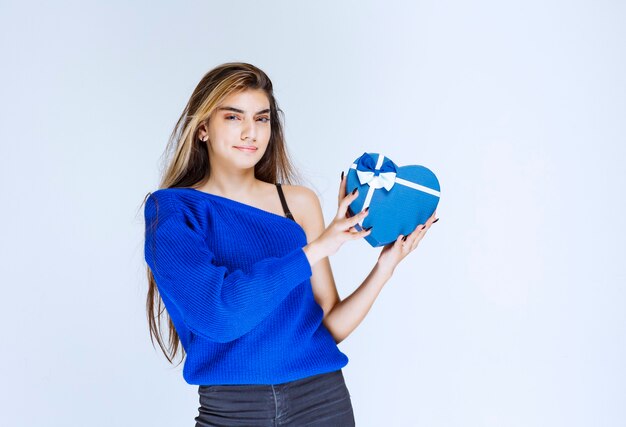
187	161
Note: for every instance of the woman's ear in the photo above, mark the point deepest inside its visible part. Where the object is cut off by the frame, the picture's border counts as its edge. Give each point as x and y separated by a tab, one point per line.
203	133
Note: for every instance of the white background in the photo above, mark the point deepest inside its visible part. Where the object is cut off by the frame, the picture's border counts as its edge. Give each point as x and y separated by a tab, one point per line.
509	313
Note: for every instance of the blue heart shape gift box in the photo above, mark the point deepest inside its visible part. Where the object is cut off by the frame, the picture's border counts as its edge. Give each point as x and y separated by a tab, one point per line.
399	198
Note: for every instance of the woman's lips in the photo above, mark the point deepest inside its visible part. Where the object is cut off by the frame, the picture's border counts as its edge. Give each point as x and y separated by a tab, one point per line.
246	149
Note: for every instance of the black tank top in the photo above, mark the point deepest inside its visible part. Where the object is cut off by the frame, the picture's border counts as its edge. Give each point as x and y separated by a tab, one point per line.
284	202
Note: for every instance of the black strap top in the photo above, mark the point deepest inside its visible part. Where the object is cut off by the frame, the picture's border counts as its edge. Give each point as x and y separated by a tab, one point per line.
284	202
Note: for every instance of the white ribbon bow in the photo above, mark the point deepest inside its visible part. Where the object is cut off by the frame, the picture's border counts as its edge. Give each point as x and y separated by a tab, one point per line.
383	179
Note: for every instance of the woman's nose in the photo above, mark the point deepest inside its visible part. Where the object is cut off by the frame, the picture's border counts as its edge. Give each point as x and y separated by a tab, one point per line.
249	130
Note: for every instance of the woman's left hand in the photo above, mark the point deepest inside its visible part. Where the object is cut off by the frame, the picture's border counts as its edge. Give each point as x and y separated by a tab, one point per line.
394	252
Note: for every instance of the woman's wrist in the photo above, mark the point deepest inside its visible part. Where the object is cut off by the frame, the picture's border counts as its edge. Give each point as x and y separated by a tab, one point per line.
384	270
312	252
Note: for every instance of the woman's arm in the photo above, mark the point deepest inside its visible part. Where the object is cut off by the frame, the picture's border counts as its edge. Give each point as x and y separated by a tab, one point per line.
340	317
312	219
347	314
213	301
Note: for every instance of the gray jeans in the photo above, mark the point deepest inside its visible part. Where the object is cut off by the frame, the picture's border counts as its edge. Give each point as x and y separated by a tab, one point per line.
319	400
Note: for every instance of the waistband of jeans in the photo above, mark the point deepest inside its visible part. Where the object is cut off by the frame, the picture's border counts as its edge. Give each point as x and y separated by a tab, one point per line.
317	377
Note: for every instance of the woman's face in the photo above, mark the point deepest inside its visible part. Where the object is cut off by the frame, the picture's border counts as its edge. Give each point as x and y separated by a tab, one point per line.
239	130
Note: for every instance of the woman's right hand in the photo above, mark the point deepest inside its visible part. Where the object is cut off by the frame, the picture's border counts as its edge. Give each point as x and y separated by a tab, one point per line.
340	230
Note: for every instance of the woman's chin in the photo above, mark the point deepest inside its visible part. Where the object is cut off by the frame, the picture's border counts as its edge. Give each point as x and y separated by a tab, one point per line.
248	163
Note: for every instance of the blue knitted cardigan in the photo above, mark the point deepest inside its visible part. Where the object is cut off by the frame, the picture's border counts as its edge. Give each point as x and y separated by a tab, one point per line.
236	283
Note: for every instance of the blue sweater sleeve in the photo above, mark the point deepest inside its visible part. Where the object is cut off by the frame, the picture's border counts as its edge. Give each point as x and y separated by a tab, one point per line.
214	302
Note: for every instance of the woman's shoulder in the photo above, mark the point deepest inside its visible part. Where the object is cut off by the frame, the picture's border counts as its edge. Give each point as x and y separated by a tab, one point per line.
304	205
301	195
164	196
167	202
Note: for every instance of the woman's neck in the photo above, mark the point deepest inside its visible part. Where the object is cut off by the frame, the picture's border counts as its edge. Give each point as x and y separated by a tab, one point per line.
232	186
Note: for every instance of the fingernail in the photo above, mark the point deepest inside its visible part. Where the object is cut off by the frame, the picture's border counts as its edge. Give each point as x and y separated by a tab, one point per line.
369	228
423	226
342	175
404	238
435	220
367	209
354	191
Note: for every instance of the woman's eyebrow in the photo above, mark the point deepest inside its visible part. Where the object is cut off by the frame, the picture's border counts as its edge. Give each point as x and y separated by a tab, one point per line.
237	110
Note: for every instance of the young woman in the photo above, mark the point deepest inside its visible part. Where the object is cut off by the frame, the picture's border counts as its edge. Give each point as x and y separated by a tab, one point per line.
240	263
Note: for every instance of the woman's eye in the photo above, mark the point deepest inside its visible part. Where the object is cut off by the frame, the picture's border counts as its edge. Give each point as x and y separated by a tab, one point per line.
265	119
229	117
